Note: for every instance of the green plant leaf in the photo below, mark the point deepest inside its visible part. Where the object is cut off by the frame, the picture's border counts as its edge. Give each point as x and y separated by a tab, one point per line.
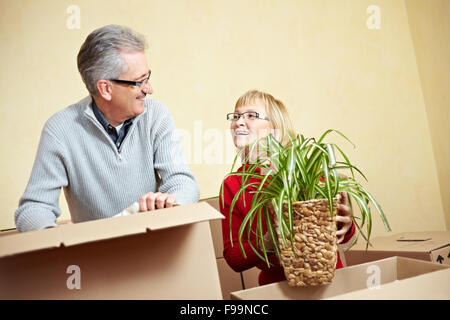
280	175
378	207
327	185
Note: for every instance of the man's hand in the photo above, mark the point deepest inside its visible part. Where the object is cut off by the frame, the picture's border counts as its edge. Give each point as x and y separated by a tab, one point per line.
156	200
343	218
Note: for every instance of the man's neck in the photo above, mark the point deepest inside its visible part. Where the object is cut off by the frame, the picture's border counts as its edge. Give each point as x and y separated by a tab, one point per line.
104	109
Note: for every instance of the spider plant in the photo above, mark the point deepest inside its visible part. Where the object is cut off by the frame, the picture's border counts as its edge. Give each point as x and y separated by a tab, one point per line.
305	169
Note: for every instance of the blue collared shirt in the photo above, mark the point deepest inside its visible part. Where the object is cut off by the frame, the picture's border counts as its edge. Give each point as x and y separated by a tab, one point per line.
116	137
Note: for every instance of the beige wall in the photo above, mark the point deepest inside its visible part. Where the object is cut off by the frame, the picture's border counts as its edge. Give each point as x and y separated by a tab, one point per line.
319	57
430	30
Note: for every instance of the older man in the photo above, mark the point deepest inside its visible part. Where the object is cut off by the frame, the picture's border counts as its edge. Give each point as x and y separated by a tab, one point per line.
112	148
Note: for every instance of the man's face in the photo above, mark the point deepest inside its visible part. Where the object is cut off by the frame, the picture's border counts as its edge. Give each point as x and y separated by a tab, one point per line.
128	100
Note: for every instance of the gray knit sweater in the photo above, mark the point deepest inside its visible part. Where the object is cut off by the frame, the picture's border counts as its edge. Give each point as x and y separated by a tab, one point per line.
75	153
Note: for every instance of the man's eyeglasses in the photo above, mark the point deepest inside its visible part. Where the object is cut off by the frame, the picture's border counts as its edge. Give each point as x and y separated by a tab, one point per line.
250	115
134	83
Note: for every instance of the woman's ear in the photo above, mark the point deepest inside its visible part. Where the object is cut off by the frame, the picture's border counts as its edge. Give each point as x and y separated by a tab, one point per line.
104	89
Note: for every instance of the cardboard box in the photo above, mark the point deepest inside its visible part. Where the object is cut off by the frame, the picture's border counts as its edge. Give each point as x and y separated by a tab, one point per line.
250	278
166	254
408	278
8	232
428	246
429	286
230	280
216	227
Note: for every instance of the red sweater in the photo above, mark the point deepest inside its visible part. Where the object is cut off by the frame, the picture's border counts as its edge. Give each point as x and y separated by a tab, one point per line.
233	254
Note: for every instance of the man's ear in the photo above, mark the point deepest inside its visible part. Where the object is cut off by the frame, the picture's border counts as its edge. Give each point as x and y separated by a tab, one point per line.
104	89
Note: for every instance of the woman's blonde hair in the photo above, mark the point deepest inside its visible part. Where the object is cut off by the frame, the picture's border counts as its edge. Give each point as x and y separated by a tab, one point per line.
276	111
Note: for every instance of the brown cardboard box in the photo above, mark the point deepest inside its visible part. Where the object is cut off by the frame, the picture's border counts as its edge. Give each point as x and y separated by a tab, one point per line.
429	286
8	232
250	278
166	254
407	278
429	246
230	280
216	227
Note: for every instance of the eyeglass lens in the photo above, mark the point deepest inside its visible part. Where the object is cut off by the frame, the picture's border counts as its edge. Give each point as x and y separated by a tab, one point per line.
246	115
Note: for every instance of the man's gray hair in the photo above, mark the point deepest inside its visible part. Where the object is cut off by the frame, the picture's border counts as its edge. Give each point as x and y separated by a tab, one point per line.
99	56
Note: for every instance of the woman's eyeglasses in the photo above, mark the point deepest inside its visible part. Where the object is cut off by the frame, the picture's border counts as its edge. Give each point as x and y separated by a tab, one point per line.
250	115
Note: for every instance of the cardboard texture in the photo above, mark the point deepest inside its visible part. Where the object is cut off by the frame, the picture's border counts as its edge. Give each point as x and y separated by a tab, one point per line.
430	286
7	232
250	278
428	246
409	278
216	227
165	254
230	280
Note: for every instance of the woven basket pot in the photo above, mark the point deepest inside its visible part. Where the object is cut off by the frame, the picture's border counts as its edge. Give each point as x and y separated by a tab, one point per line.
312	259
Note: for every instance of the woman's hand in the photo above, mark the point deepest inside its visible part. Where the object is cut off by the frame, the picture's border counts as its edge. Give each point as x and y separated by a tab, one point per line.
268	242
343	218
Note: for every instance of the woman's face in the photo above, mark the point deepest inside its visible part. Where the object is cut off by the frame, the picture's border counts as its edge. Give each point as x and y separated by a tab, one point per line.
245	130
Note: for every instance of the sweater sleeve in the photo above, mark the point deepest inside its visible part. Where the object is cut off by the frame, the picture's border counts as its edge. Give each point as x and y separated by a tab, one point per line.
232	251
349	234
171	164
39	205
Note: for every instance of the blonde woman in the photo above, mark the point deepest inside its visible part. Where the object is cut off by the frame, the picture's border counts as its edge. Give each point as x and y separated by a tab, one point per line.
258	114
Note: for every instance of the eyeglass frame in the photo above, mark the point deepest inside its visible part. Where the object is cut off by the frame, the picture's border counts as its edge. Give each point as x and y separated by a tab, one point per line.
241	114
134	83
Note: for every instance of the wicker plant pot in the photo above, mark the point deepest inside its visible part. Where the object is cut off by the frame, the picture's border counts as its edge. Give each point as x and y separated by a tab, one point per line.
312	259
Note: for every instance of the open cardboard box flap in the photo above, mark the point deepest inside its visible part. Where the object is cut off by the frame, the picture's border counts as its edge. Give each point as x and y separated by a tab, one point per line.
352	279
102	229
410	241
430	286
431	246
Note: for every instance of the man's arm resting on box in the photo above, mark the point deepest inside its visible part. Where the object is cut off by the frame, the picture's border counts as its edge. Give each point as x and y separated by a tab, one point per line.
38	207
